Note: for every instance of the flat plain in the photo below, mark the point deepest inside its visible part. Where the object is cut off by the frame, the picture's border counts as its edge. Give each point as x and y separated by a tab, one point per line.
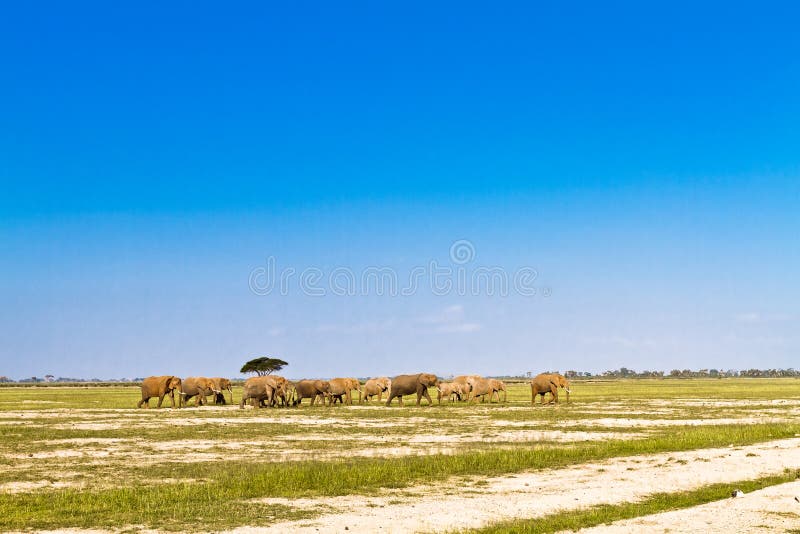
623	455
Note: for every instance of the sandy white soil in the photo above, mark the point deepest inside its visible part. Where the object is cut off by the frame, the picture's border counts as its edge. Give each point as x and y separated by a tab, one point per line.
772	509
24	487
448	507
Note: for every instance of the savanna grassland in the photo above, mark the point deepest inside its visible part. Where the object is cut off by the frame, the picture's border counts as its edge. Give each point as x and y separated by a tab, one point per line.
86	458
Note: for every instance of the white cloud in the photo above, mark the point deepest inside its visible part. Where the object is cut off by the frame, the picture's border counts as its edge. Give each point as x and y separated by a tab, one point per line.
369	326
450	320
460	327
750	317
449	314
755	317
622	341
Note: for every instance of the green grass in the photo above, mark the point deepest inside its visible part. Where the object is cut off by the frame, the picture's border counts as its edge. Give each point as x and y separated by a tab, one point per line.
223	500
171	489
608	513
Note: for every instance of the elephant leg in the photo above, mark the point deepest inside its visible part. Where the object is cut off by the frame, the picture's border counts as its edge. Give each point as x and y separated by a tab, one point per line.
172	399
427	396
139	404
400	398
160	400
419	396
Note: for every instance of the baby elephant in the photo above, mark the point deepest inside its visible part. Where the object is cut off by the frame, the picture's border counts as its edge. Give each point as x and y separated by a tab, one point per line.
376	386
410	384
448	389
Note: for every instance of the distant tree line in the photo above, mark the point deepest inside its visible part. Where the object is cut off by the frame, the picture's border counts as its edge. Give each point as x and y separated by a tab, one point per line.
624	372
52	379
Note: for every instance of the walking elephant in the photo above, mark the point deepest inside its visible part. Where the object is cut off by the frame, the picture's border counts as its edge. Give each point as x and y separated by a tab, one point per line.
498	386
548	383
281	387
480	387
376	386
463	380
342	388
199	387
222	384
311	389
160	386
259	389
410	384
448	390
562	382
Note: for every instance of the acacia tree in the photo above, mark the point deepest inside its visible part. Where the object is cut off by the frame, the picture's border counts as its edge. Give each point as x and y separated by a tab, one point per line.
263	366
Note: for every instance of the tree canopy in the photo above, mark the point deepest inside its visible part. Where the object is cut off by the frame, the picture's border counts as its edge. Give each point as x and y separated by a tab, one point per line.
263	366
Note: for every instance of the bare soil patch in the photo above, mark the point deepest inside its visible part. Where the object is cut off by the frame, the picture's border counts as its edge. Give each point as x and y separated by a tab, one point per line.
453	505
772	509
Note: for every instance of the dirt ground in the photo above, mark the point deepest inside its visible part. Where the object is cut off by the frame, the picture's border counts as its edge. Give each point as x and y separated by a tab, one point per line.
773	509
531	495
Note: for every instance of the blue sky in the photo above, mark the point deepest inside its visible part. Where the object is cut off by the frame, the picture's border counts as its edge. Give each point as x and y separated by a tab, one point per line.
644	160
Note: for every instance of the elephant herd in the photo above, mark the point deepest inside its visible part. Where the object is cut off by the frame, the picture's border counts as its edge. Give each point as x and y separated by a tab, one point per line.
198	387
271	390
